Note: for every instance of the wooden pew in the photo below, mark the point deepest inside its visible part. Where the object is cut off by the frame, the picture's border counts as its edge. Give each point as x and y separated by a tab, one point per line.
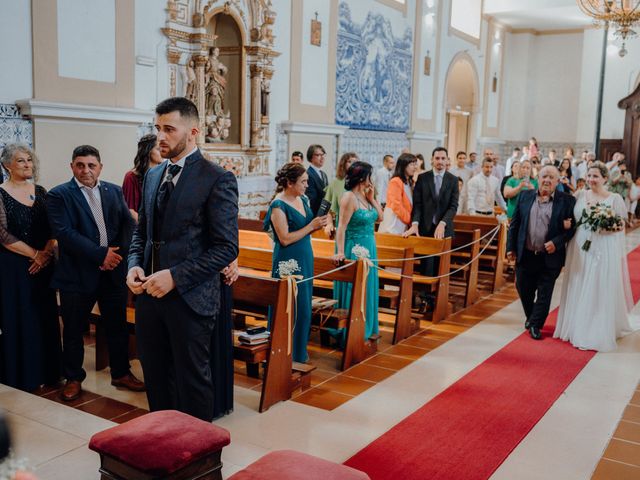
403	297
427	246
250	224
355	349
470	272
494	255
281	376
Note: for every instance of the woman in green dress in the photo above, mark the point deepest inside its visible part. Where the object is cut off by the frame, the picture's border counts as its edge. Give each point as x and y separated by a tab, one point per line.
355	238
515	185
291	222
336	190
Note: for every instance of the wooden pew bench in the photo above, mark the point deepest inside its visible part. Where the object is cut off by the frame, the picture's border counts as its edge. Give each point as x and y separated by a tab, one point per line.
282	376
427	246
355	349
492	260
468	274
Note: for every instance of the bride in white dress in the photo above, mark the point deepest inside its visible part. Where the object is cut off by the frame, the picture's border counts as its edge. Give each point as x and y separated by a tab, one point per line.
596	292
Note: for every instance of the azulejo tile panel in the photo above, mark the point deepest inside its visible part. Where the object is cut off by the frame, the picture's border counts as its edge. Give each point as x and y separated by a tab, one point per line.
373	146
373	74
14	128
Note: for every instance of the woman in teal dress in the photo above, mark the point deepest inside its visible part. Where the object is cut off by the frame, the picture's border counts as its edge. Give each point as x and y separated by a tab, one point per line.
291	222
355	238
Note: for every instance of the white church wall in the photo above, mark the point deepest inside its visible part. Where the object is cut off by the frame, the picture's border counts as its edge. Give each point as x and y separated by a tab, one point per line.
151	71
542	86
621	75
518	74
16	75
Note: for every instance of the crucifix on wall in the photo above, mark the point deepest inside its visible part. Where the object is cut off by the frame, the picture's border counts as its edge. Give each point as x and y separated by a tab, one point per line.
316	31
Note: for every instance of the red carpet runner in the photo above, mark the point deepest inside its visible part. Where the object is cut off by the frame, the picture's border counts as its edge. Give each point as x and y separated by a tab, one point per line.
468	430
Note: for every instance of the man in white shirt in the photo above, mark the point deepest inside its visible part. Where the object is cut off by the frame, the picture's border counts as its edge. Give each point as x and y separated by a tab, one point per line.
498	169
483	191
515	157
383	175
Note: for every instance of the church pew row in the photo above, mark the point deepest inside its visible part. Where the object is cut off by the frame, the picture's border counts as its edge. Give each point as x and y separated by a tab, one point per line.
281	376
421	246
355	349
493	257
402	297
256	293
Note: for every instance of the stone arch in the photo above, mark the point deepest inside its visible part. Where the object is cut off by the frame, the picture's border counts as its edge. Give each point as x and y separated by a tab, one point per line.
461	103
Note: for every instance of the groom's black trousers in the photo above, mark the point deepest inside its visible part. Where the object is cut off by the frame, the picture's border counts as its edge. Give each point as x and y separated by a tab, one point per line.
535	282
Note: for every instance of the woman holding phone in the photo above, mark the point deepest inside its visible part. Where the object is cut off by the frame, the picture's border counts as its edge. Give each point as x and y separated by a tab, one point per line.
515	185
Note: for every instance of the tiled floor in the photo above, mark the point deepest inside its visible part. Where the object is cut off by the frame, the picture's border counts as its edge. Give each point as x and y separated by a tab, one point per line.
591	419
621	459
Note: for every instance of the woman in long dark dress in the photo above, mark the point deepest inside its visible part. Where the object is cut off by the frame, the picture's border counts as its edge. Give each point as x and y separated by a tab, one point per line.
30	352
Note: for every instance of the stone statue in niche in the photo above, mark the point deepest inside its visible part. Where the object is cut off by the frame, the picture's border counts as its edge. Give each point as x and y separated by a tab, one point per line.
217	121
265	91
189	81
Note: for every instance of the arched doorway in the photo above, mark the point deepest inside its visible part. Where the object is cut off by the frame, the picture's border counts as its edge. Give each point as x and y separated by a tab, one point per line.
461	104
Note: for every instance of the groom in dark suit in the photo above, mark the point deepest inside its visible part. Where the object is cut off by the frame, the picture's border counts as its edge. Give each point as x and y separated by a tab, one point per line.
187	234
435	202
537	241
93	226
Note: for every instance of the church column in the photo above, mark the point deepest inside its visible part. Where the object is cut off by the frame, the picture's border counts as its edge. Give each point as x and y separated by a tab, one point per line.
173	57
201	61
256	88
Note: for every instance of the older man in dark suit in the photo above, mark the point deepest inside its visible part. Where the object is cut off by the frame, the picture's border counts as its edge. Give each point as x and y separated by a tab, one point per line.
187	234
541	226
93	226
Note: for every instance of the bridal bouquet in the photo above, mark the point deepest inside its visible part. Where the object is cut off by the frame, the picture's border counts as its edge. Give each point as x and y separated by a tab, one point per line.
600	218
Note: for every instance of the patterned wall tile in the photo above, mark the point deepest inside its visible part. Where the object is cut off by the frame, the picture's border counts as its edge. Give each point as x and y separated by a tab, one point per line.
14	128
373	74
372	146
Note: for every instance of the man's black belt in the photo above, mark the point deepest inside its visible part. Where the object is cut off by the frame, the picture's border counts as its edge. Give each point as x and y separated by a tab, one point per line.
536	252
484	213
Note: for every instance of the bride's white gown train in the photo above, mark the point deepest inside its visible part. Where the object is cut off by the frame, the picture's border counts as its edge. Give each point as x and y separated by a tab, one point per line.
596	292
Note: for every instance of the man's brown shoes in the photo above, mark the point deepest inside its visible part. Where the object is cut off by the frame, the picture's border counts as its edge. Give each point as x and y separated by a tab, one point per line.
130	382
71	390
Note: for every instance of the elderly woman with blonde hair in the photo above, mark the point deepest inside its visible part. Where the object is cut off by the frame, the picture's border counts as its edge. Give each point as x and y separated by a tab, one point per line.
30	341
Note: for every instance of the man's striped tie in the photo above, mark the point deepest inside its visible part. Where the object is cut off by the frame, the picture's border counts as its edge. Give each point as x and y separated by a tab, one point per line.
98	216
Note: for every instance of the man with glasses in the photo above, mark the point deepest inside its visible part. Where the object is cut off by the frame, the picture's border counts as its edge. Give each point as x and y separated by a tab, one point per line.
318	180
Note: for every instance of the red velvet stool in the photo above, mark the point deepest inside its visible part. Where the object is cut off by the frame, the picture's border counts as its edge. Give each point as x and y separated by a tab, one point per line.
290	465
161	445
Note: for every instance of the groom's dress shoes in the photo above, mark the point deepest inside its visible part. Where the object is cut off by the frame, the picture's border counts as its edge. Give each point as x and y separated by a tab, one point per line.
535	333
527	325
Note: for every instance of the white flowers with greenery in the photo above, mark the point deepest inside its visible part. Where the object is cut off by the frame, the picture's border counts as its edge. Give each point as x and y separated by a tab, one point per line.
600	218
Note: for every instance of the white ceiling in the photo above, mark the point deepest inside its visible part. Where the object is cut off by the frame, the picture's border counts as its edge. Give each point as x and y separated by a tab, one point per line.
537	14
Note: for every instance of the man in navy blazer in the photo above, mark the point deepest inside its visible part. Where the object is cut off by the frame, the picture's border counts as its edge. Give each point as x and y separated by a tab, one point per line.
541	226
187	234
92	224
318	180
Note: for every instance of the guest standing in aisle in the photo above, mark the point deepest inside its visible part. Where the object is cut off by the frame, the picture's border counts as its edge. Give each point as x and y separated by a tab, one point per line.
30	353
92	224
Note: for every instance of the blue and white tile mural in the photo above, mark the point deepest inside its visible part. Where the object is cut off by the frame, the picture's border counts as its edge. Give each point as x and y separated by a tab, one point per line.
14	128
373	74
